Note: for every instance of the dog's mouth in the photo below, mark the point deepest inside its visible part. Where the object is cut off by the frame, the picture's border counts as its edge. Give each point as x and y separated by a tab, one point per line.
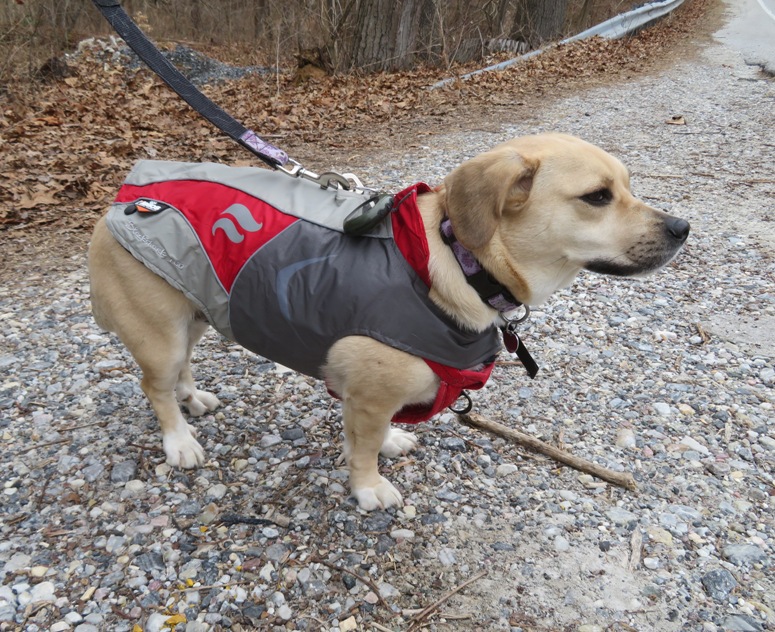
646	256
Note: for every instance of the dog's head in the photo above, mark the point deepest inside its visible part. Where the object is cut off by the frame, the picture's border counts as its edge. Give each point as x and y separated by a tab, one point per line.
537	210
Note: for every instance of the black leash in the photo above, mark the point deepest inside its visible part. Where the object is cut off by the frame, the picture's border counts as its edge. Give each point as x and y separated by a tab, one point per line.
145	50
363	219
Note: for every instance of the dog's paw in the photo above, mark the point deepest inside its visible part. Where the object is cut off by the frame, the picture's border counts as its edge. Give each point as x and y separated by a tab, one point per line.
182	449
381	496
398	442
200	402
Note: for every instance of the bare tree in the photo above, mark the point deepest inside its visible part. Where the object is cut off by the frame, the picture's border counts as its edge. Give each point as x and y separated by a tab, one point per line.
376	34
538	21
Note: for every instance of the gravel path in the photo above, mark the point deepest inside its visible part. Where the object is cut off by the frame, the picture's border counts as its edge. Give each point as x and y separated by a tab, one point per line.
670	377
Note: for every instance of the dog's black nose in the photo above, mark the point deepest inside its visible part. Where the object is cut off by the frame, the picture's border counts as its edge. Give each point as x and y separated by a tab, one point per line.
678	228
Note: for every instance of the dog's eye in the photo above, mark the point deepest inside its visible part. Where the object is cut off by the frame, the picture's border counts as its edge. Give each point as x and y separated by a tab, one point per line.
601	197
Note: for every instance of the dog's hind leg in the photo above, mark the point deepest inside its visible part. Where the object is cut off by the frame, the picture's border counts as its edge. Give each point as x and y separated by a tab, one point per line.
197	402
158	325
161	368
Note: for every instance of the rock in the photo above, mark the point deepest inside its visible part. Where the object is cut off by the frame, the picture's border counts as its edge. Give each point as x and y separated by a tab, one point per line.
348	625
505	469
453	444
377	522
44	591
155	622
217	491
502	546
123	472
561	544
658	534
388	590
189	508
718	584
267	441
447	557
448	495
741	623
652	563
292	434
662	409
693	444
742	554
133	488
150	562
276	552
625	438
270	532
617	515
17	562
402	534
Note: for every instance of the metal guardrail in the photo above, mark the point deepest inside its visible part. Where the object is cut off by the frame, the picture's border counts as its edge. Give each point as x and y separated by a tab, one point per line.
618	26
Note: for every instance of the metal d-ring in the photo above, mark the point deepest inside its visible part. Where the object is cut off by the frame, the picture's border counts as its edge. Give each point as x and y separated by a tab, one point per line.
511	323
466	409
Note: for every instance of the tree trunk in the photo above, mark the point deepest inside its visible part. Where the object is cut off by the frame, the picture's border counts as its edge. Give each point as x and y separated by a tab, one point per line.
383	35
538	21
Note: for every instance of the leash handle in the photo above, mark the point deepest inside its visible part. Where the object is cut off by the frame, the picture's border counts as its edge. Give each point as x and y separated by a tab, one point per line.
114	13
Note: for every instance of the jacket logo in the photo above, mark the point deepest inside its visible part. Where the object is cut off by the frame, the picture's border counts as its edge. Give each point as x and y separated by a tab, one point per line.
283	282
241	215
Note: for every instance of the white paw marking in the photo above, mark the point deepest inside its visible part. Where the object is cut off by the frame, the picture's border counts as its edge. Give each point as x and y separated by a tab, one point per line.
398	442
182	449
381	496
200	402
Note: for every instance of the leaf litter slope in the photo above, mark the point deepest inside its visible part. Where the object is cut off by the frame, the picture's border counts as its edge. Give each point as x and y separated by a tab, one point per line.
65	147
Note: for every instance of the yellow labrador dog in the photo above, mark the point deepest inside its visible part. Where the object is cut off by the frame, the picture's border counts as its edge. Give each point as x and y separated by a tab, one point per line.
533	212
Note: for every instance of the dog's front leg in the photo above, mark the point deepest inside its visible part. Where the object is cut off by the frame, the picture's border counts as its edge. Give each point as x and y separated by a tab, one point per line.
375	381
365	430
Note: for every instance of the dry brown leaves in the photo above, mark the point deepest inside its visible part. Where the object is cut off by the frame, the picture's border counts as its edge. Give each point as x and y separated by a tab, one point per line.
64	148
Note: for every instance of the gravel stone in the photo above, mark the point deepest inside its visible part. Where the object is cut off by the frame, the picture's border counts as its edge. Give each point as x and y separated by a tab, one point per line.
123	472
718	584
743	554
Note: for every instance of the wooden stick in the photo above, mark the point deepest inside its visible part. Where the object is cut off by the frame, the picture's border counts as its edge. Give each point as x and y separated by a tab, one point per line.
365	580
622	479
425	612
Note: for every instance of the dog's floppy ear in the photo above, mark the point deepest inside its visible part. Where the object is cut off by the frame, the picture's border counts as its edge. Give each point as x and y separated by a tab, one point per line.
479	189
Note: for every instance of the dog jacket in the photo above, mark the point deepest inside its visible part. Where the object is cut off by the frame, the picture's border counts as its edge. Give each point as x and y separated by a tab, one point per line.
265	259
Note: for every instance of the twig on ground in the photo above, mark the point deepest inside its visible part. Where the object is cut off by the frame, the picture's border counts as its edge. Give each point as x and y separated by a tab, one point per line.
622	479
417	620
47	444
366	580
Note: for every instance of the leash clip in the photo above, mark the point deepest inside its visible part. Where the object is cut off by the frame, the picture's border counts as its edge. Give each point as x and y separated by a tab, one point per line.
326	180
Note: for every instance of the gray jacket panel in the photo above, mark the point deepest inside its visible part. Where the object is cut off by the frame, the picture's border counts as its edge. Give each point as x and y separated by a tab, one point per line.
310	287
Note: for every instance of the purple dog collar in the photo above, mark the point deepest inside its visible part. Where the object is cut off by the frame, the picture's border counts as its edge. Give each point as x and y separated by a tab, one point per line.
491	291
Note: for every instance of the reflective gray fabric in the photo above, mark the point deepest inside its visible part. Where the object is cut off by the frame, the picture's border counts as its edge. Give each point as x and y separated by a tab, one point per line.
293	196
167	244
